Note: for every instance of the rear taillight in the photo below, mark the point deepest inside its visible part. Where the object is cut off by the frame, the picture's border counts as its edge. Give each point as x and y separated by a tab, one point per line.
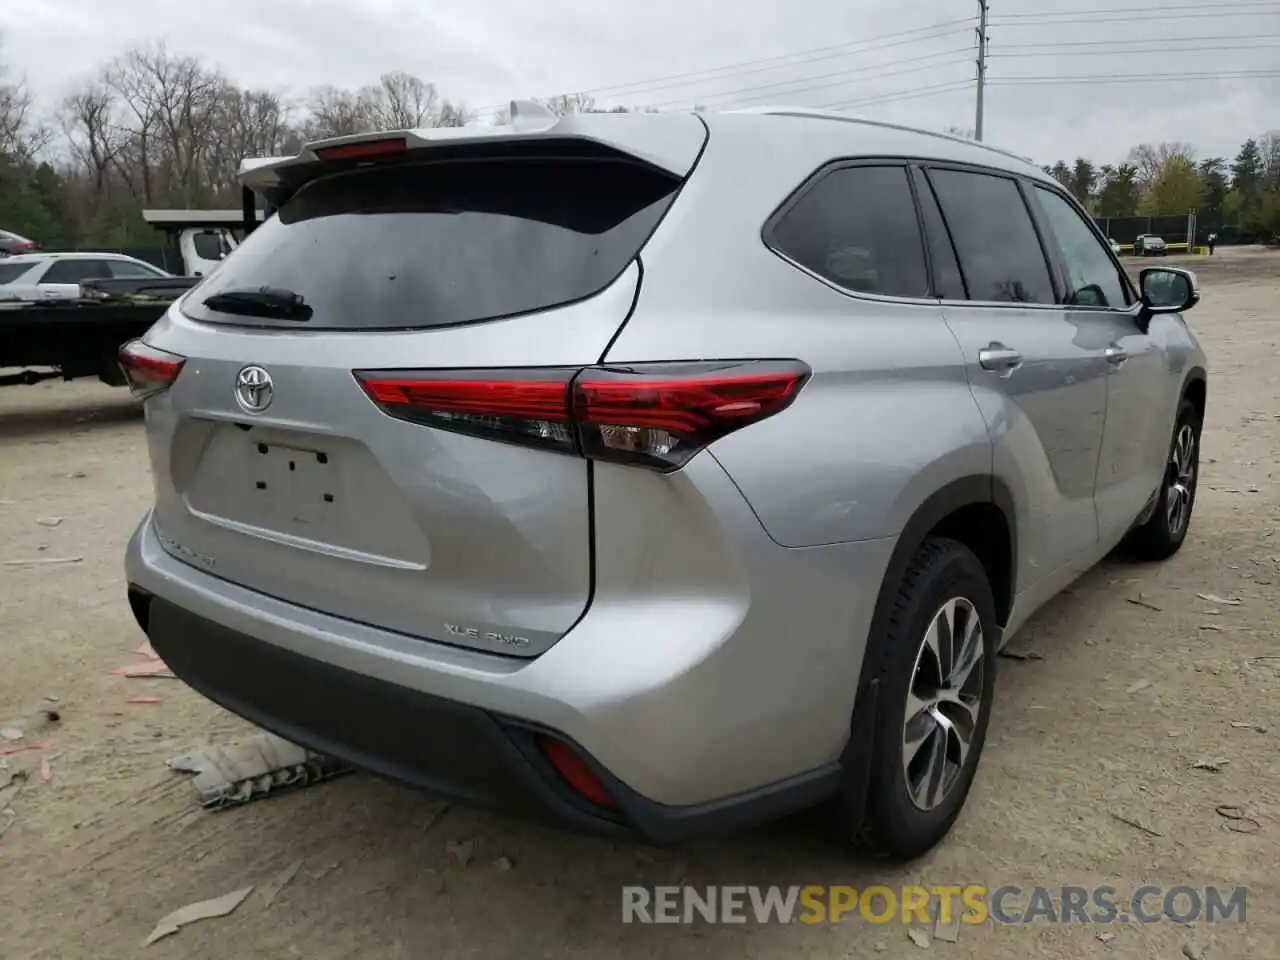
149	369
652	415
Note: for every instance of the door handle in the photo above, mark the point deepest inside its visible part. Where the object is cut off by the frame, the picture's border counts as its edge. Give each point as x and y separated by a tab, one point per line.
999	359
1116	354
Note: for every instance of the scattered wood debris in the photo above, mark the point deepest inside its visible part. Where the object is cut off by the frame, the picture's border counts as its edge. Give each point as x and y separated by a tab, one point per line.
193	912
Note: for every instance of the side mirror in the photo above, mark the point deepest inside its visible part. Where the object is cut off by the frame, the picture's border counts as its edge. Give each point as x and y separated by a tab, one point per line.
1168	290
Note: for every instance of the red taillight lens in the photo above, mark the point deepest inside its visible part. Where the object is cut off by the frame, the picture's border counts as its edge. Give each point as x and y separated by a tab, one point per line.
653	415
366	148
148	369
575	771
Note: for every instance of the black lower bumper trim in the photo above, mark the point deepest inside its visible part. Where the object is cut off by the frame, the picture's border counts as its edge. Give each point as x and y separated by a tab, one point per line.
458	751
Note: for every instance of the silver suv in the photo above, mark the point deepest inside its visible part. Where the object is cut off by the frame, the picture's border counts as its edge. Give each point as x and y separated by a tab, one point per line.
654	474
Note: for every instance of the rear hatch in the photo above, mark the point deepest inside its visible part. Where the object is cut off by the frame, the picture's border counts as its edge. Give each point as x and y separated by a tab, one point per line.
276	470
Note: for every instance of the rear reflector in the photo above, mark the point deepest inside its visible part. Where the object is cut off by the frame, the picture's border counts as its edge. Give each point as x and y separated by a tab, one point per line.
148	369
365	148
651	415
575	771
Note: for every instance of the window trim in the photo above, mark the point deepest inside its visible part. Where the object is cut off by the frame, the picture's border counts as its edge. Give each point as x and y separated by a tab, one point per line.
920	181
1019	180
1060	256
809	183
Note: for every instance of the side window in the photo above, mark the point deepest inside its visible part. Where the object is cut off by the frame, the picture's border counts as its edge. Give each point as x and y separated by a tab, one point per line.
208	245
1093	278
75	270
857	228
947	281
995	239
124	270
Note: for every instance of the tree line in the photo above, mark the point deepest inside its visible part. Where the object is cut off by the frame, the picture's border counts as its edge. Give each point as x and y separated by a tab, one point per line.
1239	197
152	128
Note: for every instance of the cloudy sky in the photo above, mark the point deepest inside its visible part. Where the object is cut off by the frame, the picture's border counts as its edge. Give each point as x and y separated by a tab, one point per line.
905	62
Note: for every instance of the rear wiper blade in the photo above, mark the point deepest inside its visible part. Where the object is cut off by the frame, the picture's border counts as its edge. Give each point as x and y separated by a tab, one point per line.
273	302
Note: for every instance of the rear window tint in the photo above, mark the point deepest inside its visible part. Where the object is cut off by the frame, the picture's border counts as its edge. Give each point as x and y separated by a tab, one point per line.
10	272
439	244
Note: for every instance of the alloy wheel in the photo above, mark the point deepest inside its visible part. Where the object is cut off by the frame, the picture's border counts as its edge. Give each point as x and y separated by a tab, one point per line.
1181	479
944	702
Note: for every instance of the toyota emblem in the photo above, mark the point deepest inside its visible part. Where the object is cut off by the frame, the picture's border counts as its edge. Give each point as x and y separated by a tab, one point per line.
254	389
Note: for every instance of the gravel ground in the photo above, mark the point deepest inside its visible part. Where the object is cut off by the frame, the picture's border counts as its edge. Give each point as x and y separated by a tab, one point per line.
102	840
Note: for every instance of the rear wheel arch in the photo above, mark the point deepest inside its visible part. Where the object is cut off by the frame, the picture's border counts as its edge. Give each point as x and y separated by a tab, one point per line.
977	511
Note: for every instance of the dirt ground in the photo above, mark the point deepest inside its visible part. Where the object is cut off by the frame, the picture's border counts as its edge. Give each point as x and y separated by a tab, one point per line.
102	840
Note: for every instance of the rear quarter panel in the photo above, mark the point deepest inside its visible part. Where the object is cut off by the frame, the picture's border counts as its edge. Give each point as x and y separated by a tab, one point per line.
888	417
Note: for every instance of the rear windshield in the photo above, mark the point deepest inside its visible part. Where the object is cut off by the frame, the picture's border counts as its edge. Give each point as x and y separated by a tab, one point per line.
10	272
438	244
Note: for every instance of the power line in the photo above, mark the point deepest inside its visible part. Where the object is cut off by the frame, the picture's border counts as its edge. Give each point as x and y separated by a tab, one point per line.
846	74
1055	44
1094	21
1131	52
1160	10
935	32
1134	78
911	93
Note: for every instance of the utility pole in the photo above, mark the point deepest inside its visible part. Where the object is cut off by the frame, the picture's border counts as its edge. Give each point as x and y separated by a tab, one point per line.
982	67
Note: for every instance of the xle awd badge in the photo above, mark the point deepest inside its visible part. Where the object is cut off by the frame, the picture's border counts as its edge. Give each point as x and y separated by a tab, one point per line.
475	633
254	390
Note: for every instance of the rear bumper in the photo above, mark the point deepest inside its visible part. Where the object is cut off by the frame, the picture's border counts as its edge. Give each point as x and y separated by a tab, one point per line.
701	712
464	753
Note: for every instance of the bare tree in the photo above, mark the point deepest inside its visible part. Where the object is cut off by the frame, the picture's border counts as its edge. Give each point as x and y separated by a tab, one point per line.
405	102
94	140
334	112
21	137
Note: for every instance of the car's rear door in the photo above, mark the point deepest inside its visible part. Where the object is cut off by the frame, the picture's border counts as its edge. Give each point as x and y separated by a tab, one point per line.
276	471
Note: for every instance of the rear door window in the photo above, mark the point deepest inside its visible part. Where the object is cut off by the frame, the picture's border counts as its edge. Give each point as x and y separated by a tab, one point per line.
75	270
856	227
995	239
415	246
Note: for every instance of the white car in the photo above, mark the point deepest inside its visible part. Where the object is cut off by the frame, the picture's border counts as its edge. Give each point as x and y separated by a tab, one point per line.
57	276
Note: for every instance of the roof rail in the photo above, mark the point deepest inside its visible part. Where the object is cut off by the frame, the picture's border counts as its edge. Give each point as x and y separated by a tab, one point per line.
818	114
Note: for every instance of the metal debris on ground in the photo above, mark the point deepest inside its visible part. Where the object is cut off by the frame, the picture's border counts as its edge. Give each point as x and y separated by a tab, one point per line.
1248	725
238	773
460	850
1139	601
1236	820
204	910
1136	825
42	561
1021	654
1213	766
1224	601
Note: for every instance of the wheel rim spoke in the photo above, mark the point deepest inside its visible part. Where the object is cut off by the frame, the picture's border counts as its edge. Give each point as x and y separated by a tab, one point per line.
1181	483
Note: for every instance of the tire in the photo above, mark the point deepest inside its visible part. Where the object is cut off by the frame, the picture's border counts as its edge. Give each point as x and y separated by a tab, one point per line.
943	575
1164	532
